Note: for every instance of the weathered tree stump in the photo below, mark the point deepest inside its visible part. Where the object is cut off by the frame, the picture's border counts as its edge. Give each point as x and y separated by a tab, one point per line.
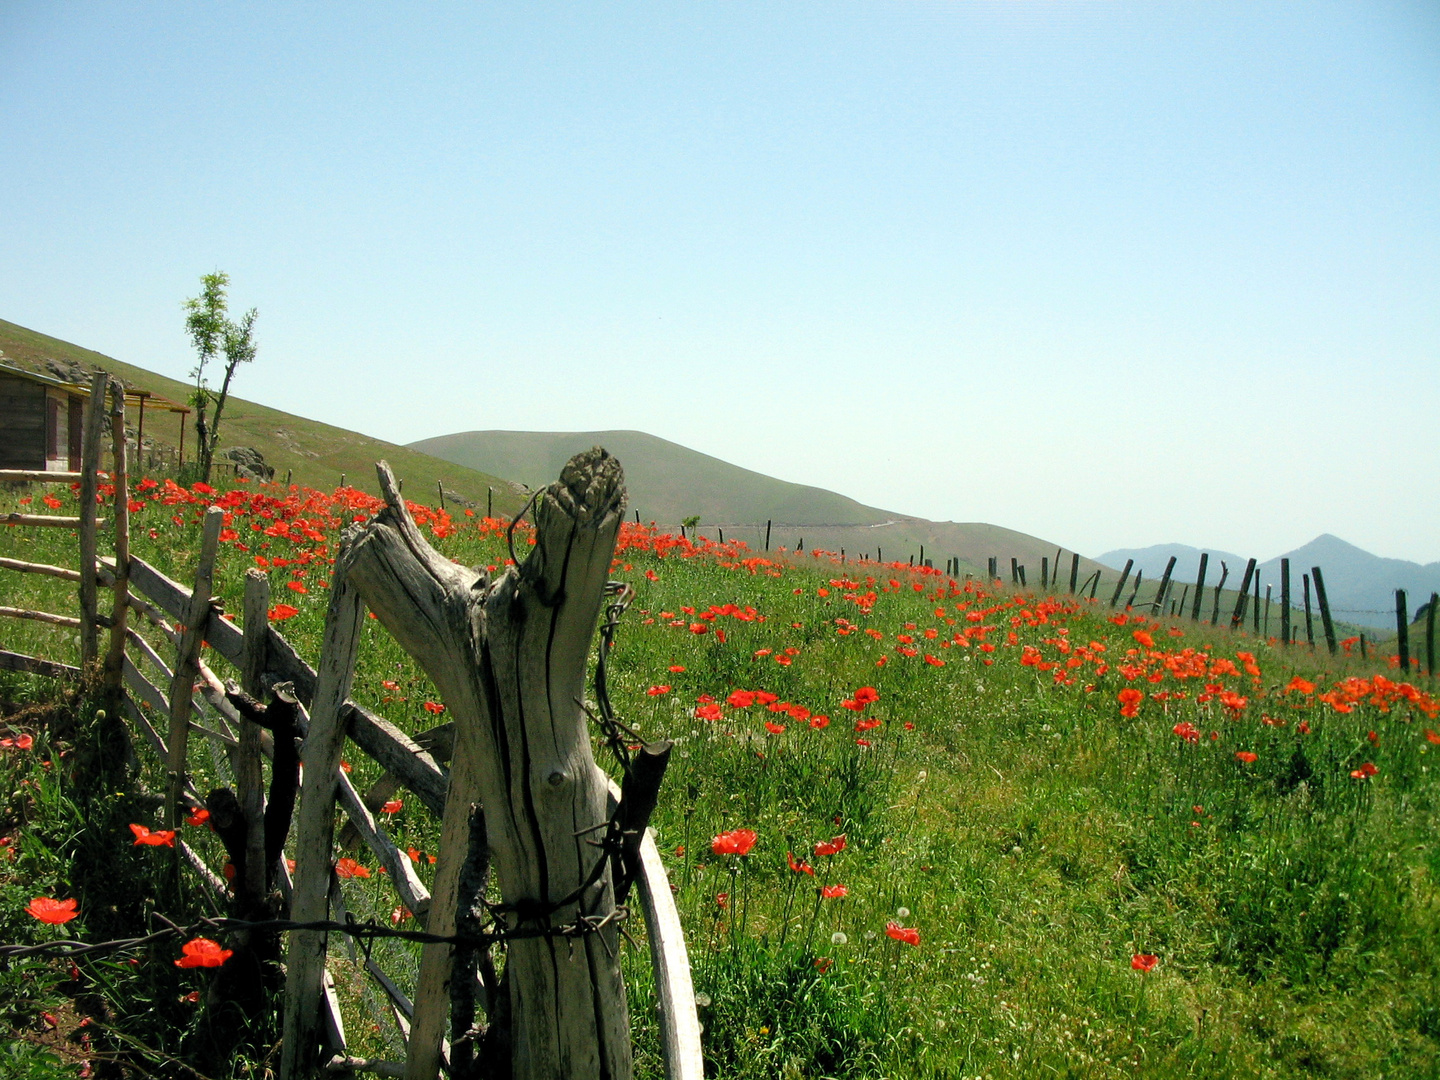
509	657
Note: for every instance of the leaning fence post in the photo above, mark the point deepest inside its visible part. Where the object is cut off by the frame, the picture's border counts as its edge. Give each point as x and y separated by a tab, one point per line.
114	673
1164	584
1402	628
1074	569
89	482
1200	587
1139	579
187	662
1120	585
1237	619
1324	608
320	755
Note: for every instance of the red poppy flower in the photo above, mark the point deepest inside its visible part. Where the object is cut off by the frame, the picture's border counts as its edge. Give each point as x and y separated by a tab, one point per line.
1144	639
734	842
797	866
1144	962
24	742
296	586
819	721
202	952
281	612
831	847
866	695
1364	772
158	838
834	892
676	669
709	711
48	910
1300	686
392	807
433	707
1432	736
908	934
1187	731
1246	756
774	728
349	868
198	816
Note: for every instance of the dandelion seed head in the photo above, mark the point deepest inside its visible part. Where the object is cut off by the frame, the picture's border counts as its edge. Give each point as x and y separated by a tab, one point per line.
903	912
838	938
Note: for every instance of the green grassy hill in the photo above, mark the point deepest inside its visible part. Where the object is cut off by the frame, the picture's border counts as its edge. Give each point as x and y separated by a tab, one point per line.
315	454
669	483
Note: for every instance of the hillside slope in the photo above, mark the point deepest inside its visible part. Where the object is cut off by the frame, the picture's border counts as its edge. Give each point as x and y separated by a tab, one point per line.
669	483
315	454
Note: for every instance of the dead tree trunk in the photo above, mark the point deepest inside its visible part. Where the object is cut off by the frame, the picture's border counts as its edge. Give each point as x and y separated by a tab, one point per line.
509	660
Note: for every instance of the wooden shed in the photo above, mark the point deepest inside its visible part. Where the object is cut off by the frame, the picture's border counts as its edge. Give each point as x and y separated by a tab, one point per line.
40	421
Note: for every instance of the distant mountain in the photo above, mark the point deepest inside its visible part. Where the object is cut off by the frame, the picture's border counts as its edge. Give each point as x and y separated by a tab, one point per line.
1152	560
668	483
1360	586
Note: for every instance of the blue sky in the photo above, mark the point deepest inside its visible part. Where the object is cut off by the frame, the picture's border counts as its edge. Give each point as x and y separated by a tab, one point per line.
1110	273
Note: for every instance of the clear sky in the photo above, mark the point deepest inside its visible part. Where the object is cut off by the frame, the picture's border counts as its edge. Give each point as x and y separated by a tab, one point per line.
1113	274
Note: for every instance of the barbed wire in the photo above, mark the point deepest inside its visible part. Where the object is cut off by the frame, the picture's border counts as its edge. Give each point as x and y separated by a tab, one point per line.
365	931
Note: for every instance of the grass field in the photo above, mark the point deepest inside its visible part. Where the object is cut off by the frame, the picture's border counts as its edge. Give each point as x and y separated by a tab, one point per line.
996	833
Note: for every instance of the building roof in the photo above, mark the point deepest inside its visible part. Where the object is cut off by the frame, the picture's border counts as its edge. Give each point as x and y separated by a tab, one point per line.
140	398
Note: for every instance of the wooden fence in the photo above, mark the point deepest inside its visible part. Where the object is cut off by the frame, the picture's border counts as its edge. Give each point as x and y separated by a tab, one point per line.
195	703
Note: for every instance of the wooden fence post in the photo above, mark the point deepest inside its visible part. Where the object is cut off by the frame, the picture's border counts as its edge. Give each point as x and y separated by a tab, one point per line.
768	523
1430	634
114	672
993	568
1045	571
508	657
1324	608
1200	587
1237	619
1184	596
1256	617
249	776
187	665
1219	588
1014	571
1074	569
1402	628
1139	578
1285	601
1268	589
1164	584
89	483
1120	585
314	840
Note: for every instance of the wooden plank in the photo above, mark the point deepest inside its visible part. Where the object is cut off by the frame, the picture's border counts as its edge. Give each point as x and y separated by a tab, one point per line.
34	665
1242	599
187	659
45	521
397	864
379	738
89	485
39	616
674	990
305	958
23	567
38	476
